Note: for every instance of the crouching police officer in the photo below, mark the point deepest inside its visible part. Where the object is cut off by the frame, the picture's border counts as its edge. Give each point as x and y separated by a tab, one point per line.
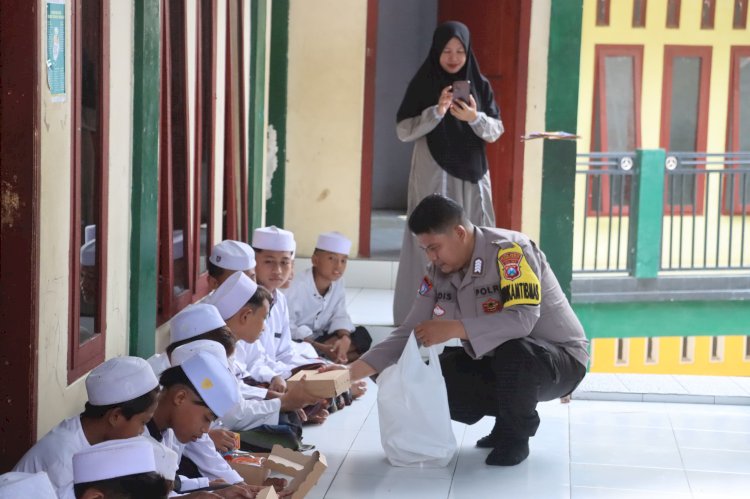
494	290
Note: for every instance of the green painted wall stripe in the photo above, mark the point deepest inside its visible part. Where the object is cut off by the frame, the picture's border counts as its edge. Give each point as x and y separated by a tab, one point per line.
646	211
277	93
256	120
558	167
144	196
643	319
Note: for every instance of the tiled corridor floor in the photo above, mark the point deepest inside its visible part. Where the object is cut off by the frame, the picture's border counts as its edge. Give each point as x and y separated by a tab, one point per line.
585	449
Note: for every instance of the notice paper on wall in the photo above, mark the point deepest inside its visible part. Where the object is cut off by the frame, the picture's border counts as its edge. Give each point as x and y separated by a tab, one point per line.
56	49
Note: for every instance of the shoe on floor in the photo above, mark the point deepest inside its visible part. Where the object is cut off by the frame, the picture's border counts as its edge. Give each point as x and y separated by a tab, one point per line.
509	452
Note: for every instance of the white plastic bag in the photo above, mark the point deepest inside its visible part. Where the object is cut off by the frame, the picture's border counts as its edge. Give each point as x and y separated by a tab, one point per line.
415	422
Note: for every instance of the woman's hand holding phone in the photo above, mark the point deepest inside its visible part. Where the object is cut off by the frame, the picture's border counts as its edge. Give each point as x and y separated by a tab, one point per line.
463	111
445	101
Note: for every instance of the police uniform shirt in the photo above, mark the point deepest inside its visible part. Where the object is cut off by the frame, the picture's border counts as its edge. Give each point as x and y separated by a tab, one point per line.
54	454
311	314
509	291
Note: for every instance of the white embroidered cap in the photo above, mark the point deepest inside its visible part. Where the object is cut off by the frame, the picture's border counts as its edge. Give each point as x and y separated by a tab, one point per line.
166	460
273	239
112	459
335	242
120	379
233	294
193	320
233	255
213	382
184	352
21	484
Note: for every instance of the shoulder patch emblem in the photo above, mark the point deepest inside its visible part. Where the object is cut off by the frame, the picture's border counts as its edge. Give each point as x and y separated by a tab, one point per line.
519	285
478	266
426	286
438	311
491	306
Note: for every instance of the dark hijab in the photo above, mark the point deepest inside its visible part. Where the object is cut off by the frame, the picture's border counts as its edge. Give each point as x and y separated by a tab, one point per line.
453	144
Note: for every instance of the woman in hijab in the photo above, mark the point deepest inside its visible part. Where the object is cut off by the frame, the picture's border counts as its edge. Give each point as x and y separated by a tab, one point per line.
449	144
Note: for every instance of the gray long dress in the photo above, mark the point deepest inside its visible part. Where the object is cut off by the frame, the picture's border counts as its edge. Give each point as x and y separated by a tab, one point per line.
427	177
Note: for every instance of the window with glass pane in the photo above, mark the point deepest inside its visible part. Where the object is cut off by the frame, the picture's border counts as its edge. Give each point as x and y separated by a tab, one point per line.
602	12
683	120
737	186
673	13
206	127
708	13
739	15
615	120
89	178
639	13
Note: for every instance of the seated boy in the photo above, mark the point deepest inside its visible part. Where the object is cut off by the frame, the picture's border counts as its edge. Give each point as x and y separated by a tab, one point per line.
122	395
195	393
228	257
118	469
317	303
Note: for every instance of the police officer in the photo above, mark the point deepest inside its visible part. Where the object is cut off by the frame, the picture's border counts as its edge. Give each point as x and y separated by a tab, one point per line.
494	290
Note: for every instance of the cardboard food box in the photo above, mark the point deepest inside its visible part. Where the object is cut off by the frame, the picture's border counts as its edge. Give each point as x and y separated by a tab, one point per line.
253	474
324	385
304	470
267	493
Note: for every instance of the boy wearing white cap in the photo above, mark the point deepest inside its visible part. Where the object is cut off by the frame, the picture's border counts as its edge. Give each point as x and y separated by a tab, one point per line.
122	393
228	257
196	392
245	305
200	321
317	303
118	469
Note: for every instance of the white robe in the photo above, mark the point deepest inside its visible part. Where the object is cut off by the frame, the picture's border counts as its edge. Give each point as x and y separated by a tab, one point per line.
54	454
210	463
313	314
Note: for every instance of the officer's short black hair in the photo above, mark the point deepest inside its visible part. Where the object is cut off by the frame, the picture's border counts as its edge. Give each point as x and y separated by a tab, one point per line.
129	408
436	214
222	335
140	485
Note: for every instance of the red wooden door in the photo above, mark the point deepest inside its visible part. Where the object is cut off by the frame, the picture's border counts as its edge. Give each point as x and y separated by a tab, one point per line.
500	39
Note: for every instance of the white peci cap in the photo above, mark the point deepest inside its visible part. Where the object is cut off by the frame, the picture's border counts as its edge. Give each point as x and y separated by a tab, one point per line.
88	253
165	459
184	352
233	255
193	320
120	379
273	239
213	382
335	242
232	295
15	484
112	459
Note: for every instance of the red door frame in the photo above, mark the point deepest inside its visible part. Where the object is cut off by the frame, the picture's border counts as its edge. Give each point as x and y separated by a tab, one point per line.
510	93
19	231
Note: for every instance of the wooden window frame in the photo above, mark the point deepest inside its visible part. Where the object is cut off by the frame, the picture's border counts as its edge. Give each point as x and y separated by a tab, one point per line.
670	53
739	14
639	14
678	9
601	52
84	357
201	286
171	304
603	19
733	124
708	14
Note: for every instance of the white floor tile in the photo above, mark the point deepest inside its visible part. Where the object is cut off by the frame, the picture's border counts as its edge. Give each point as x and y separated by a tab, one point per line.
716	460
626	477
621	435
368	441
603	493
501	487
645	456
369	463
542	466
710	385
646	383
634	415
373	274
372	307
346	486
719	484
718	440
351	293
724	422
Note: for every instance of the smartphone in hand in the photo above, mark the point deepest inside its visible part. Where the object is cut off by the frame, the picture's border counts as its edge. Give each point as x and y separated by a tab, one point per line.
461	90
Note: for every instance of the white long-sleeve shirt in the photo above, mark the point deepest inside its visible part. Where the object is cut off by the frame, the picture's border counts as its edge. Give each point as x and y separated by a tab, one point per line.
169	440
313	314
54	454
209	462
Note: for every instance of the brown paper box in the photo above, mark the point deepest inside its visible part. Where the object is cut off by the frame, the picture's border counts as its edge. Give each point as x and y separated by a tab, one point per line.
252	475
267	493
324	385
305	471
